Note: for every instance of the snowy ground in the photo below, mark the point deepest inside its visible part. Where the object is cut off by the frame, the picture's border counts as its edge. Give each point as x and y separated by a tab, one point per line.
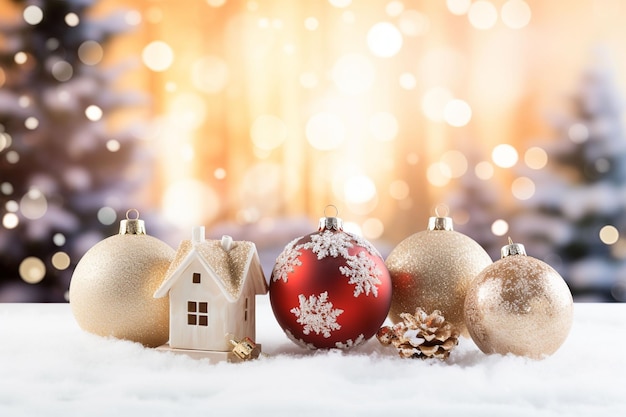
49	367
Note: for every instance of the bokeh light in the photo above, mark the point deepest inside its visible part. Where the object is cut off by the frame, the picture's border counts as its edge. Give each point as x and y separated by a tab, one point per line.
72	19
536	157
408	81
373	228
106	215
458	7
384	40
113	145
413	23
12	157
32	14
133	17
20	58
383	126
216	3
187	111
515	14
5	141
190	202
32	270
31	123
578	133
58	239
482	14
6	188
394	8
90	52
484	170
10	221
11	206
609	234
353	74
210	74
93	113
157	56
523	188
325	131
438	174
61	261
33	204
219	173
457	113
308	80
311	23
359	189
399	190
268	132
62	71
499	227
340	3
504	155
434	103
456	163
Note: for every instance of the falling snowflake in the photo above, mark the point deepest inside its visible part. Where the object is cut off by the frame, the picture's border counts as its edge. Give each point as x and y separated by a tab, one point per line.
363	273
350	344
329	244
287	261
317	314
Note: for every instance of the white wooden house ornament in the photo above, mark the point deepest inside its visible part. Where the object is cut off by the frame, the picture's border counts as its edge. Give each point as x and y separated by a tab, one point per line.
212	286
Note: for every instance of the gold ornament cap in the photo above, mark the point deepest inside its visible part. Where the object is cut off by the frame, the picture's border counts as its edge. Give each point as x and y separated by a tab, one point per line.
512	249
439	222
330	223
132	226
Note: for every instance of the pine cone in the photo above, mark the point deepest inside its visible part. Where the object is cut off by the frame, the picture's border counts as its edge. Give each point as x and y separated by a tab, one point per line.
421	335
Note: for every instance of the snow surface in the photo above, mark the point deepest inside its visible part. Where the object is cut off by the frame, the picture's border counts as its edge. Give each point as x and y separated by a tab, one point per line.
50	367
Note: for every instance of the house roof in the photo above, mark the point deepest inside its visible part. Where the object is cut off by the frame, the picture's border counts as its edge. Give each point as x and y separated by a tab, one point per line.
229	268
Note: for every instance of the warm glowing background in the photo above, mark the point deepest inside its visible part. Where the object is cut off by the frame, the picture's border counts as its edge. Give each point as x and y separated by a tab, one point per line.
266	110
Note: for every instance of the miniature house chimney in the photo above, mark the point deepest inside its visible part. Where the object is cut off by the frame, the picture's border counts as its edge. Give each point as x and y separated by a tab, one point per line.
197	235
227	243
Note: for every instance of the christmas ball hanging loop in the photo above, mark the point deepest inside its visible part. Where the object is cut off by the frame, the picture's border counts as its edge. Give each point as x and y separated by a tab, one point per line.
132	226
512	249
330	223
331	206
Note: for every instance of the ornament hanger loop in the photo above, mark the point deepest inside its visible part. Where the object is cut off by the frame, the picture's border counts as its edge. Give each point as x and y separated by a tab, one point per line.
132	210
333	206
444	210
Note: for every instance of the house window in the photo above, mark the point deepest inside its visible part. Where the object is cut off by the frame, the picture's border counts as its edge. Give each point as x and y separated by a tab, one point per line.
197	313
245	311
196	278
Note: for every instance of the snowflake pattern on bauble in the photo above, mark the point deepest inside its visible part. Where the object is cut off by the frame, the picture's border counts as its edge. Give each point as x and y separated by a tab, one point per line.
360	269
299	342
329	244
287	261
363	274
349	344
317	314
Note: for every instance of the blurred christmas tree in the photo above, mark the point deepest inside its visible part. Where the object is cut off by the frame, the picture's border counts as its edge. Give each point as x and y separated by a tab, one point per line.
477	203
574	218
64	176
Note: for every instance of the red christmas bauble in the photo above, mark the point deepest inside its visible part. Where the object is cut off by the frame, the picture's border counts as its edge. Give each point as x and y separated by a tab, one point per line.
330	289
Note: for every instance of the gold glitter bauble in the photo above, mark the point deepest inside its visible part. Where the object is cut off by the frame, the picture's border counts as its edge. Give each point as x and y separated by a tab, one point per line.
112	287
519	305
432	270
